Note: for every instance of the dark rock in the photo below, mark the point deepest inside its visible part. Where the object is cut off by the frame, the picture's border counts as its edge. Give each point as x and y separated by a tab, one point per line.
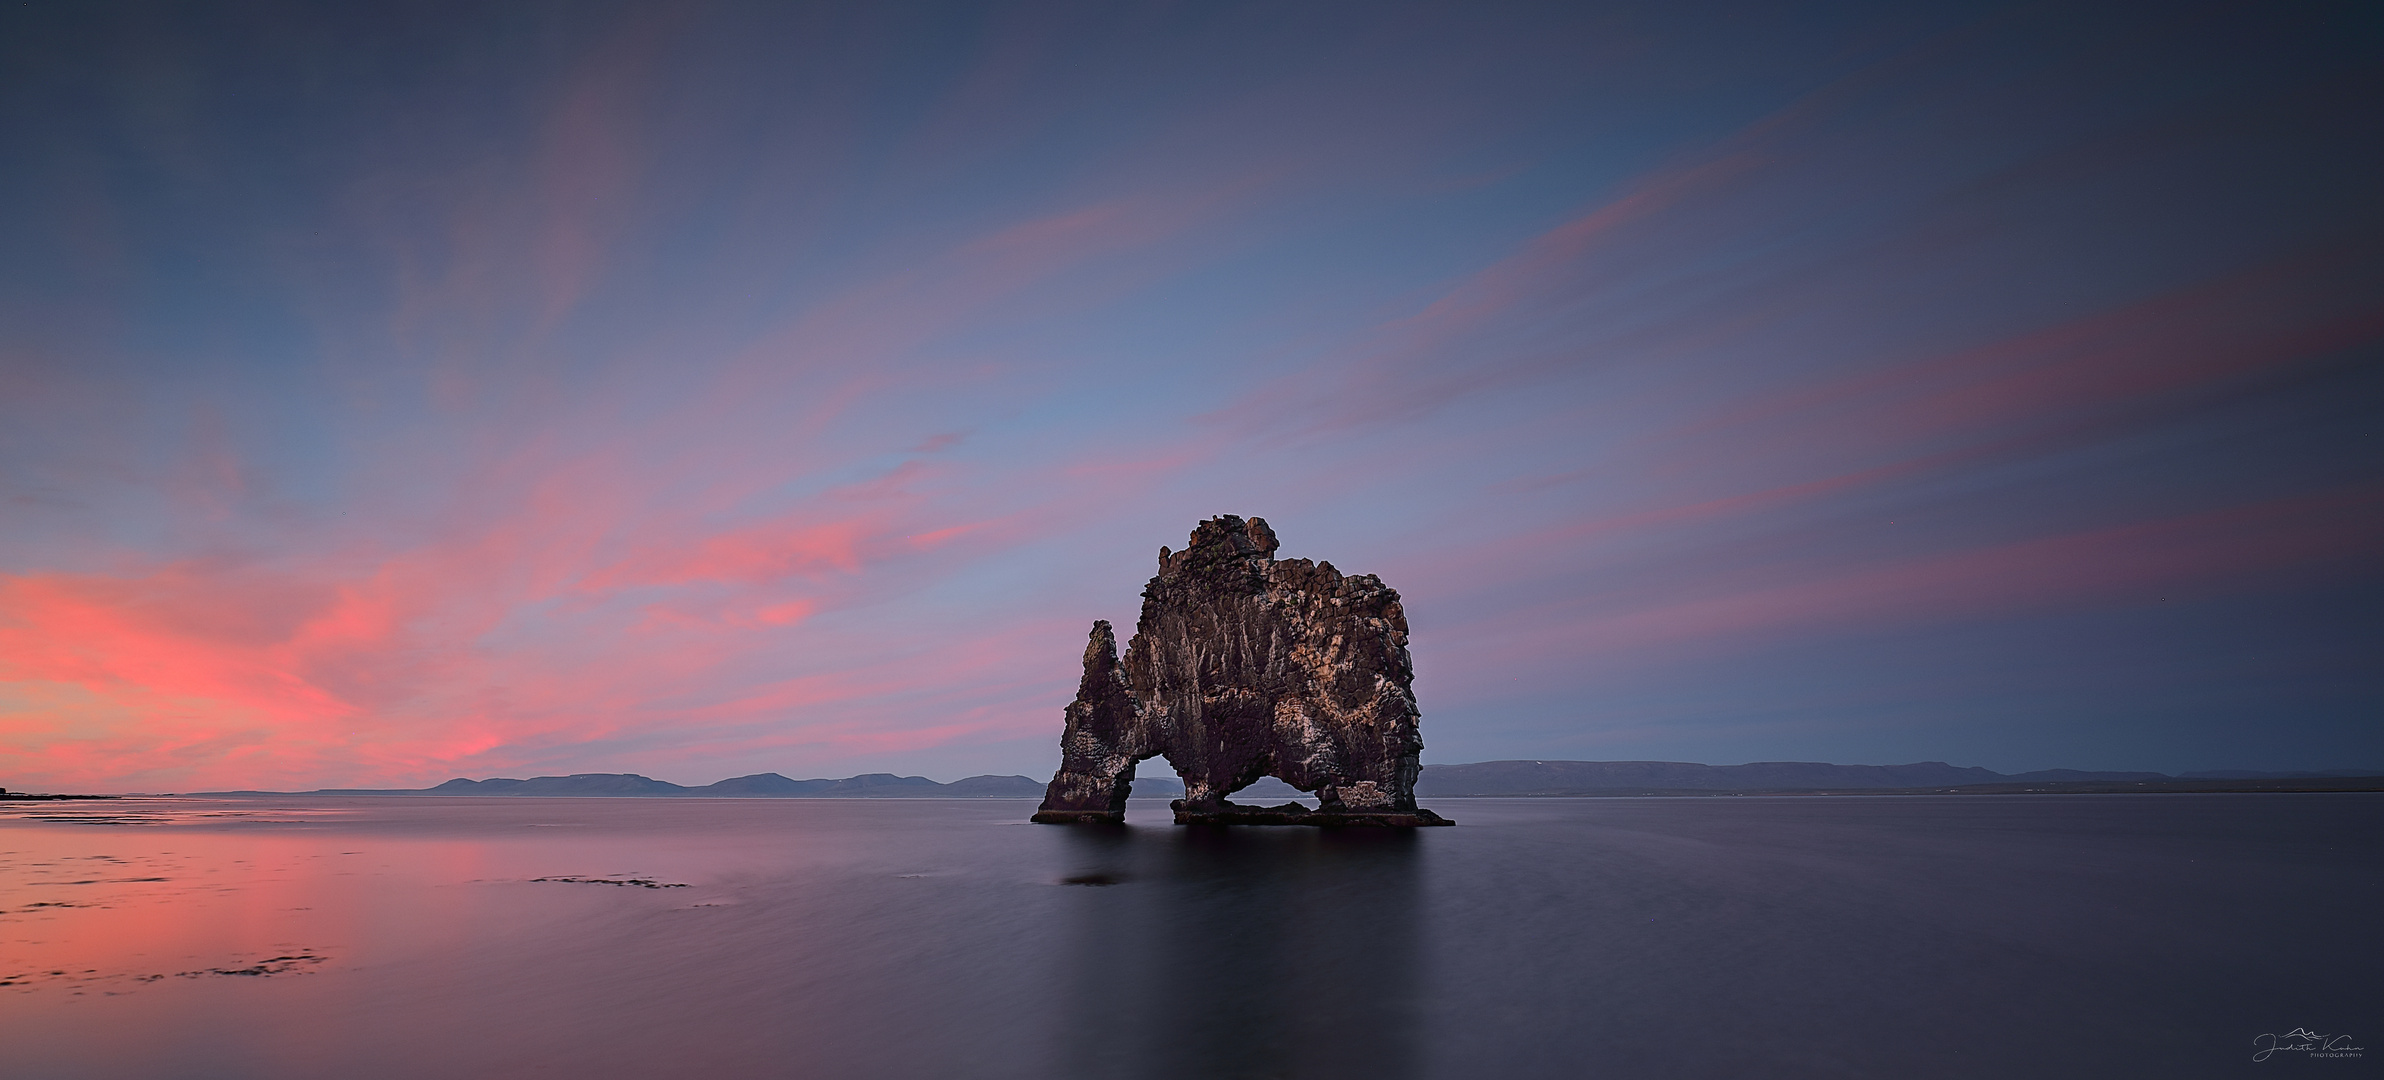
625	882
1244	666
1296	814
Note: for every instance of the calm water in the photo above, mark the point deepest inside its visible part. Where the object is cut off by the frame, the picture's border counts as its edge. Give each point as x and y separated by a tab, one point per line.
1890	937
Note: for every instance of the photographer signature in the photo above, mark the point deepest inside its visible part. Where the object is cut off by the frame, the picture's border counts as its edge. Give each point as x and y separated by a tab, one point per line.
2304	1039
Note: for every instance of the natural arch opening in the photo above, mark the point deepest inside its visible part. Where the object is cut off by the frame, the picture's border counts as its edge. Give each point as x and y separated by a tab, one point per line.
1154	778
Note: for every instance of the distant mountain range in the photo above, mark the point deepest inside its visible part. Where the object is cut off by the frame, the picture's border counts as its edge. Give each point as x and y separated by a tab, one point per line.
1573	777
1617	777
1487	778
756	786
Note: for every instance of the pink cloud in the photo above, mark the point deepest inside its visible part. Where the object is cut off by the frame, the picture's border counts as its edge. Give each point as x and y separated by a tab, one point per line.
2210	553
751	555
2273	316
554	605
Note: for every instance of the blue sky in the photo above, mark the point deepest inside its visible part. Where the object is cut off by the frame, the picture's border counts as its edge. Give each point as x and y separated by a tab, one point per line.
702	389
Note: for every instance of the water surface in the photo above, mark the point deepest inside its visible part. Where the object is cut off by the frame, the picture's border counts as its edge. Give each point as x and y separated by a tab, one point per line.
1782	937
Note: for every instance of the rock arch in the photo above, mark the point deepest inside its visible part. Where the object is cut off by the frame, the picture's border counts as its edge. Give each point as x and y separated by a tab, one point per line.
1244	666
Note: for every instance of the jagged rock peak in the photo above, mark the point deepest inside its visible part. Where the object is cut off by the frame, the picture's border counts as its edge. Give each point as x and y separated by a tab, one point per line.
1244	666
1222	538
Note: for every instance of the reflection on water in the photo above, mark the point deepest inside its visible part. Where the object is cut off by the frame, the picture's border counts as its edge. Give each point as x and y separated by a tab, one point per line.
1258	953
491	937
386	936
164	811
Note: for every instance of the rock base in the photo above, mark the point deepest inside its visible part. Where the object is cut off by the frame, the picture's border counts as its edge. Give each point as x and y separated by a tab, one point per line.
1296	814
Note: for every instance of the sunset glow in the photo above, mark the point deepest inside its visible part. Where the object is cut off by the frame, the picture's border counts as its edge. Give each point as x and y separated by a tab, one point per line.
701	391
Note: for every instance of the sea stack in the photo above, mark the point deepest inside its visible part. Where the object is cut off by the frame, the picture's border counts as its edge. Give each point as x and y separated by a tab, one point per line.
1242	666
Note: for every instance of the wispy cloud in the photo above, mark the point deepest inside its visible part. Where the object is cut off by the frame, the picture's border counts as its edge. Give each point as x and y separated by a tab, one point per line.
727	388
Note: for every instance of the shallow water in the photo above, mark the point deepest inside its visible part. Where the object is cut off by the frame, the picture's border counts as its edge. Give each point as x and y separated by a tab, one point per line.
1781	937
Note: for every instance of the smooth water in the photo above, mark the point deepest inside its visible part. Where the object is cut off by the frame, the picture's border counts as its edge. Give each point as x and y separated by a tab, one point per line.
1987	936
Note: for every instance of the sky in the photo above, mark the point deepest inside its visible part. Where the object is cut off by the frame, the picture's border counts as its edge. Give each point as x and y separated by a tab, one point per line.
397	392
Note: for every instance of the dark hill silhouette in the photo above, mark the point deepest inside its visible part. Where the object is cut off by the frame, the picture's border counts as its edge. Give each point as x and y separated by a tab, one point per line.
756	786
614	784
866	786
1485	778
1579	777
1545	777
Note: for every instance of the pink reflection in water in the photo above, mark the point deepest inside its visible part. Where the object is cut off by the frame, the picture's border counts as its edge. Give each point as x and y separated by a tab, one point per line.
438	936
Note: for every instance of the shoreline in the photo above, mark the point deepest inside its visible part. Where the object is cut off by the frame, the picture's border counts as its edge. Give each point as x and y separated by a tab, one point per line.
2329	785
2050	787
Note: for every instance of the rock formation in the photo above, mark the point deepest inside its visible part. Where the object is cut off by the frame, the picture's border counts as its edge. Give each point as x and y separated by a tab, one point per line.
1244	666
